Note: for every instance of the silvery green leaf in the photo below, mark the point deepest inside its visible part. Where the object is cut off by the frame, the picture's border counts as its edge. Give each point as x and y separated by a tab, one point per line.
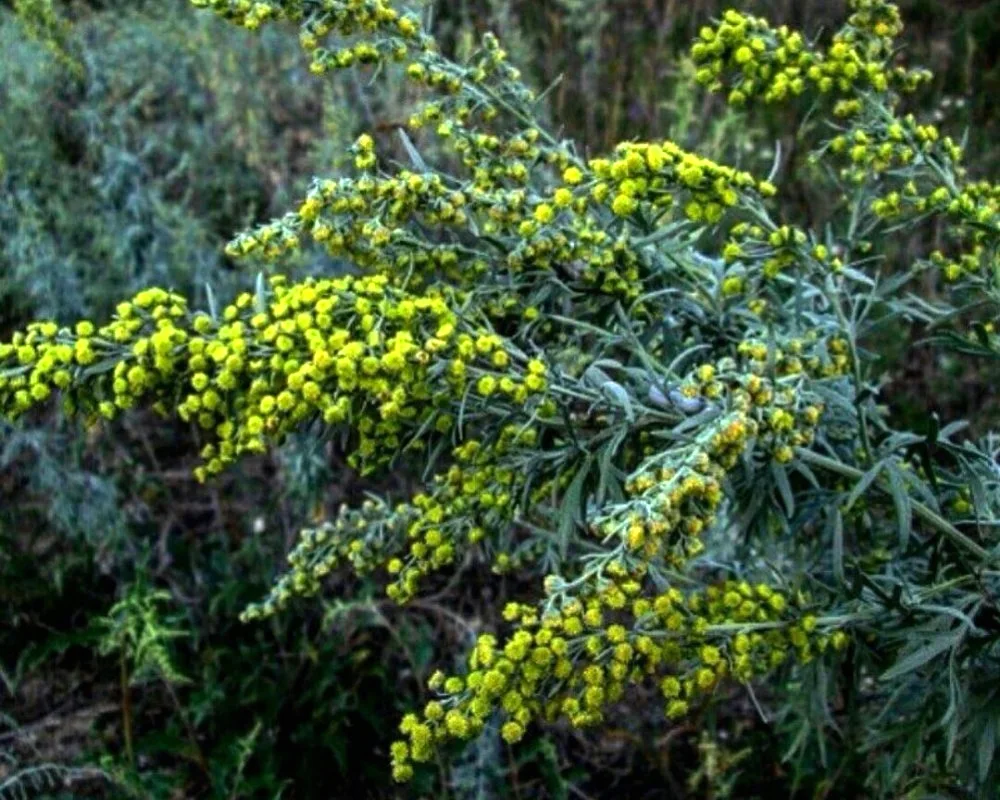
922	655
260	294
657	397
213	309
411	151
622	396
689	405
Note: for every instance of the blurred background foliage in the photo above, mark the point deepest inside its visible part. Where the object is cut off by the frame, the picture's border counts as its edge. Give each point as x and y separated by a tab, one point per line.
135	138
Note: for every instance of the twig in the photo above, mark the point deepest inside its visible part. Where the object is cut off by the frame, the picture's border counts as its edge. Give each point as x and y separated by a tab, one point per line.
927	514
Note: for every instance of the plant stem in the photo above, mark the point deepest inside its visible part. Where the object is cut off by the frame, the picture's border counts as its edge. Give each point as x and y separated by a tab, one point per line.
927	514
126	709
848	328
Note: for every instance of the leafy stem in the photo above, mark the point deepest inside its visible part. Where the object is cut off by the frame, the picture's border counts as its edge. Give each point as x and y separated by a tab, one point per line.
924	512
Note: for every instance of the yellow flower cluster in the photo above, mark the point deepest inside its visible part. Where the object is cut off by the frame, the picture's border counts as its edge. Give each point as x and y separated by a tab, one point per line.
344	350
811	356
365	220
775	251
575	655
978	261
365	538
578	249
655	174
673	497
377	222
671	504
249	13
755	59
930	178
973	209
477	496
766	385
492	160
137	354
748	58
872	149
377	32
490	85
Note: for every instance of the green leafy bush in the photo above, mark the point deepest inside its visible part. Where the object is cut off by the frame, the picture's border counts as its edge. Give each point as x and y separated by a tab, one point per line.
628	388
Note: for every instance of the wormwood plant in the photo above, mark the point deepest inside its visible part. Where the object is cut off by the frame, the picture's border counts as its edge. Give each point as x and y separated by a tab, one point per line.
629	377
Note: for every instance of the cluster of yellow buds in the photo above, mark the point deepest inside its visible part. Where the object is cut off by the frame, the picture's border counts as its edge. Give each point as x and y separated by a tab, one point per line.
376	223
377	31
872	149
756	59
491	83
811	355
766	389
136	355
748	58
669	507
923	173
365	538
967	264
366	221
973	208
776	250
575	655
655	173
343	350
675	494
475	498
